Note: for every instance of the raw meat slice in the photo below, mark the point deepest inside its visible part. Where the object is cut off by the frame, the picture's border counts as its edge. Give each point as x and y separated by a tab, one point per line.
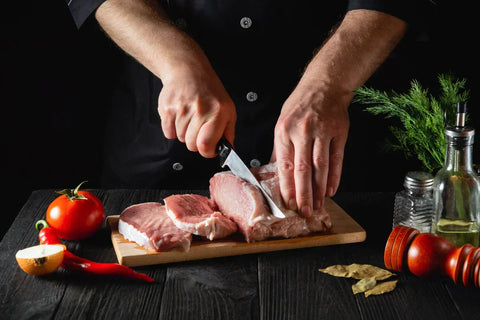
242	202
148	225
245	204
199	215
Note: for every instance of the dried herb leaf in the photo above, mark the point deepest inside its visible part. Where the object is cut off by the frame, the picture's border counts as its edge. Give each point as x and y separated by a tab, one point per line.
381	288
357	271
364	285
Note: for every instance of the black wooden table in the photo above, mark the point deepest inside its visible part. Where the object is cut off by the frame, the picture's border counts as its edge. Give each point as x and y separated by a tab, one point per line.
275	285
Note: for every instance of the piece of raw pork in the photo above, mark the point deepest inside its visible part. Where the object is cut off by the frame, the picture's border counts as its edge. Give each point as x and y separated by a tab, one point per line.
244	203
148	225
199	215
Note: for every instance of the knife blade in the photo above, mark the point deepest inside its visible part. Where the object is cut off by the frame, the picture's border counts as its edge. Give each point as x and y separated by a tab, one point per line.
228	157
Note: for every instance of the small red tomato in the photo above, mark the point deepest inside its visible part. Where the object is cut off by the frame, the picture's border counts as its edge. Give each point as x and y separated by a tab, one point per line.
76	214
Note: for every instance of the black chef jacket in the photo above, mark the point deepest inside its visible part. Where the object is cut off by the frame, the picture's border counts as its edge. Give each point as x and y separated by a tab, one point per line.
258	48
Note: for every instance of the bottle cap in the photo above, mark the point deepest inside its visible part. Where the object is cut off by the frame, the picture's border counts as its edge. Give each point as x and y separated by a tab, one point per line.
418	179
461	113
460	130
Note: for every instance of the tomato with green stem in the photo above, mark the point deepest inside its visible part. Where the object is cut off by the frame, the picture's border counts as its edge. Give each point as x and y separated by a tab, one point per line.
76	214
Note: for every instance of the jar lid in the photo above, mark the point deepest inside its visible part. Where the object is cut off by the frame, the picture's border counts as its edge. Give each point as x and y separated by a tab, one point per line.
418	179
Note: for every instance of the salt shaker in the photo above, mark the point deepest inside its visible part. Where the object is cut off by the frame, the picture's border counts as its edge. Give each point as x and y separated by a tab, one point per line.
414	205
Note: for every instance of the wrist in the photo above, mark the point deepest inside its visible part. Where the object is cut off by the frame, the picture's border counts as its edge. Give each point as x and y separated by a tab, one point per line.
186	66
327	90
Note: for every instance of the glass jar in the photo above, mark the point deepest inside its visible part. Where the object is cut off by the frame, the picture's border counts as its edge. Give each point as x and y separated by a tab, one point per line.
414	205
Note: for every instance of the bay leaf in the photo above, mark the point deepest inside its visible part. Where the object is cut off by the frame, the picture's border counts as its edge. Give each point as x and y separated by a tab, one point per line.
364	285
357	271
382	288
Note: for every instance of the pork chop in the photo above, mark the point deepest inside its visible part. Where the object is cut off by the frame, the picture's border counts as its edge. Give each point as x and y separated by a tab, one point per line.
199	215
148	225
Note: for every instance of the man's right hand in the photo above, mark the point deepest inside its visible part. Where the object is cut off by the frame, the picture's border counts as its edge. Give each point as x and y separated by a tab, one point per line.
195	108
193	104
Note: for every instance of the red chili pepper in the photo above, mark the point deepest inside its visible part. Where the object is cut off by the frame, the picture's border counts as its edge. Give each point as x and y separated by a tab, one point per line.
72	262
46	234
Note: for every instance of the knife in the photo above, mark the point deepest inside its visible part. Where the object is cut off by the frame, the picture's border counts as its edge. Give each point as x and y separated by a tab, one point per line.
230	158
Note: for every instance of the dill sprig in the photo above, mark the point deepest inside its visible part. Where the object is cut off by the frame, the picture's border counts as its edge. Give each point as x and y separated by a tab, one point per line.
422	117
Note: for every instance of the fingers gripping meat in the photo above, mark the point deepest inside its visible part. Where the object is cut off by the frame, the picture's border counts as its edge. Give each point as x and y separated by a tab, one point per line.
245	204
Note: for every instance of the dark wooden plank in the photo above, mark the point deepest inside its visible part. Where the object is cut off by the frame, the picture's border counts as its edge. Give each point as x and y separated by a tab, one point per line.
277	285
414	298
465	300
24	296
222	288
291	287
95	297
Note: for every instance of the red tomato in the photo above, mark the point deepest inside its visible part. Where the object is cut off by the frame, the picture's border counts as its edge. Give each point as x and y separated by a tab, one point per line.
76	214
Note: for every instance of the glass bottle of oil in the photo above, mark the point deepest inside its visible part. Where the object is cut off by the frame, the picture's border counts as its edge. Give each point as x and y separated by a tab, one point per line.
457	187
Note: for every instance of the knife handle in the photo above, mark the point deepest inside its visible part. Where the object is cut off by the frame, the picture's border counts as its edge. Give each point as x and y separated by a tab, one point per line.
223	149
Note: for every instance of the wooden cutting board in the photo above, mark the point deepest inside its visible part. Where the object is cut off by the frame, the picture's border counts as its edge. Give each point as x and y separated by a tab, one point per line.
344	230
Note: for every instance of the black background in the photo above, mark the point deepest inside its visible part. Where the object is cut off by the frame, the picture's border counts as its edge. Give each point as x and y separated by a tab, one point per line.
54	84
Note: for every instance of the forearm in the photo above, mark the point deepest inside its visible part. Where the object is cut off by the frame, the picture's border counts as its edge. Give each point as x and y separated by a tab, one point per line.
142	29
351	55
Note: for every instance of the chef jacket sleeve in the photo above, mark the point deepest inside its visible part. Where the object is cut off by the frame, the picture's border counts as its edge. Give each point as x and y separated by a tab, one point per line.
82	9
402	9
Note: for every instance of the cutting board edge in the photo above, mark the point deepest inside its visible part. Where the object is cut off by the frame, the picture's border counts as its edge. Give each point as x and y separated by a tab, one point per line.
178	255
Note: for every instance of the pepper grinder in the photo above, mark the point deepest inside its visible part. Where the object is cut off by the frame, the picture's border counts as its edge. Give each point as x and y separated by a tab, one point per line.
429	255
456	187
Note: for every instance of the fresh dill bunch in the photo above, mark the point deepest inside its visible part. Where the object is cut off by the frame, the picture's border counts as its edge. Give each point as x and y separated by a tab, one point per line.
422	117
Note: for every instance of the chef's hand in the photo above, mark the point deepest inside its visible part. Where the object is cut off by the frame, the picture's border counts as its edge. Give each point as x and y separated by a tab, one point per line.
193	104
312	129
195	108
310	137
